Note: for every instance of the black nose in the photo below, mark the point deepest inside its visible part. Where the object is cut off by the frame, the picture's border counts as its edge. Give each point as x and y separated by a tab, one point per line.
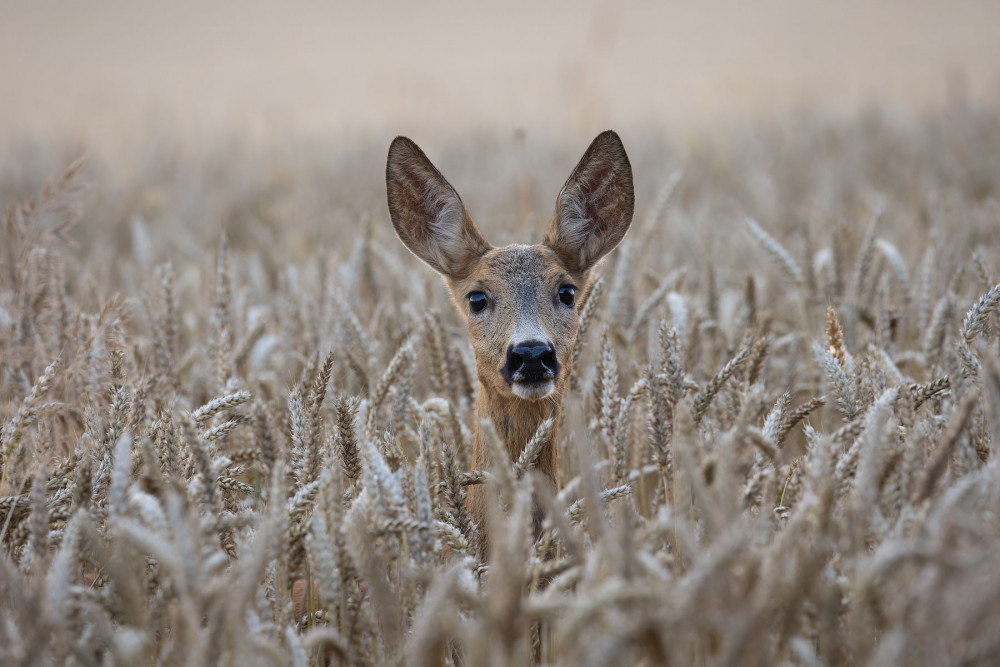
531	361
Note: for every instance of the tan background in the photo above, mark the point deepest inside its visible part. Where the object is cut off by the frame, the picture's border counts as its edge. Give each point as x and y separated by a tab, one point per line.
112	68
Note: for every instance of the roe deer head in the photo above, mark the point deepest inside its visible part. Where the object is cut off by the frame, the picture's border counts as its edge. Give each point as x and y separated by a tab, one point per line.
521	303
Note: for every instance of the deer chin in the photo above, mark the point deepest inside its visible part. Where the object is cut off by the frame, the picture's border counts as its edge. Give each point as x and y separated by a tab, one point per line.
533	391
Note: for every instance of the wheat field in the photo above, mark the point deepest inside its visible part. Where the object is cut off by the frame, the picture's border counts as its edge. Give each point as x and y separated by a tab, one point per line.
237	413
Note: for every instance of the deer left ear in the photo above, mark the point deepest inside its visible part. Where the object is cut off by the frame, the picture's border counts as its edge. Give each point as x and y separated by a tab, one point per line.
594	208
428	214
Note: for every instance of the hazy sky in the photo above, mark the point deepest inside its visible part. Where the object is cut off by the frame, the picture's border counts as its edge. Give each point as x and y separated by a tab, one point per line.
117	66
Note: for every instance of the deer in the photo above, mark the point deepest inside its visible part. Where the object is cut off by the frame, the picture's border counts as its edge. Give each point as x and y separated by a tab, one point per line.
520	303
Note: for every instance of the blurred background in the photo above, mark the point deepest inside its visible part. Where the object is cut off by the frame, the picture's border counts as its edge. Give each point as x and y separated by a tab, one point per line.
108	70
270	121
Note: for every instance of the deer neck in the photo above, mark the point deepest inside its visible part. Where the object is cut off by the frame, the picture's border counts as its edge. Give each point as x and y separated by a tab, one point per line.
515	421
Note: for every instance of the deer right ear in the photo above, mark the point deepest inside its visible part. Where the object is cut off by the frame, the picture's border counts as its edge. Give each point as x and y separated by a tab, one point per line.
594	208
428	214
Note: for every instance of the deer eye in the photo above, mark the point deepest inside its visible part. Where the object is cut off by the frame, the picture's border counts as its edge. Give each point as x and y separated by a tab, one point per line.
477	301
567	294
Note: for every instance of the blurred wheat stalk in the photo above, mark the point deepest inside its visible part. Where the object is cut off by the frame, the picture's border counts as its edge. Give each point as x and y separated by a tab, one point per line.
785	458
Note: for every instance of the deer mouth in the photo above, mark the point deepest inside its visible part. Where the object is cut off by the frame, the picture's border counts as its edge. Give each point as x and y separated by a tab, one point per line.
533	390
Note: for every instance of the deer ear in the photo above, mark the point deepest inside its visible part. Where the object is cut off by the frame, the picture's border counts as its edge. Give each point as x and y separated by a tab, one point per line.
594	208
428	214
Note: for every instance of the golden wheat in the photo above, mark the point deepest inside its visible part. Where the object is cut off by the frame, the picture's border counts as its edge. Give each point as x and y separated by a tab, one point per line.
776	448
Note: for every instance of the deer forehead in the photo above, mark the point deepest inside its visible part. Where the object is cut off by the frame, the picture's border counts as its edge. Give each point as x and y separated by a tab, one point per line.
518	274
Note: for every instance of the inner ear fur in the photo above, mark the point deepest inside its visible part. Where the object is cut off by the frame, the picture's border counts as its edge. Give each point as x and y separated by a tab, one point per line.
594	208
427	213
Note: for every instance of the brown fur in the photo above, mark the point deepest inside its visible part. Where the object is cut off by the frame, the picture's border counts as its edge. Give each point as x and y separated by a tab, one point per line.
592	214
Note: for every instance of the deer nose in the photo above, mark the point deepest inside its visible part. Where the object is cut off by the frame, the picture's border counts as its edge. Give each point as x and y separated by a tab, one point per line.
531	361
